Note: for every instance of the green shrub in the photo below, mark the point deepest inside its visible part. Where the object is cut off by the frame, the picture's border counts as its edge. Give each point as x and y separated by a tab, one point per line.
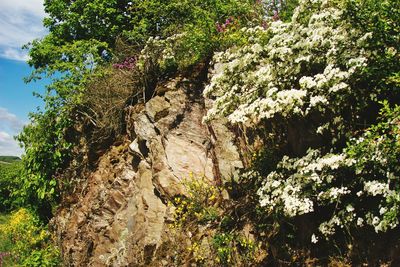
221	240
27	241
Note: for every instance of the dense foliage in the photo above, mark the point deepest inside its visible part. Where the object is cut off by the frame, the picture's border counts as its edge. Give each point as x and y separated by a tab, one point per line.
316	80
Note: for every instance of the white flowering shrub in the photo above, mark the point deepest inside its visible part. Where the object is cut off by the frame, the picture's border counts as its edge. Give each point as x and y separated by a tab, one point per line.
357	188
289	69
323	68
329	184
291	189
160	53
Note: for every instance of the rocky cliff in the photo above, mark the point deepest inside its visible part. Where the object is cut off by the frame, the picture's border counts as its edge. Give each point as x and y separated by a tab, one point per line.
120	213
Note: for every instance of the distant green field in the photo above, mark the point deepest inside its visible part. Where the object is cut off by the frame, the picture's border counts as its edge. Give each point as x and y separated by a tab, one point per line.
9	159
10	173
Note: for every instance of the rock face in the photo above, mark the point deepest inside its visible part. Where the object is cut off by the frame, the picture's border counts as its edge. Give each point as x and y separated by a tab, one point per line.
121	215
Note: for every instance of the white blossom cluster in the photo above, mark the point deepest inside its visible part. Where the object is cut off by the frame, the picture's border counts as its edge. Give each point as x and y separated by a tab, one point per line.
289	68
159	50
288	192
375	188
276	193
300	185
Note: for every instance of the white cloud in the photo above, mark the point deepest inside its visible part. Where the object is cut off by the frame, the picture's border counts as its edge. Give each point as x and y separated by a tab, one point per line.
10	125
32	6
10	121
8	146
15	54
21	22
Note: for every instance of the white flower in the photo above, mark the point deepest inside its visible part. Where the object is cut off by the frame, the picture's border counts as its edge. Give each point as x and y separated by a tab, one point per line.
314	239
326	228
379	227
331	160
338	87
349	208
375	188
315	100
256	48
382	210
334	193
375	221
288	71
322	128
296	206
307	82
318	44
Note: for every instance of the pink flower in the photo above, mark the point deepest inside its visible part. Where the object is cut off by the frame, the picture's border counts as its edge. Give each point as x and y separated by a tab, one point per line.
128	63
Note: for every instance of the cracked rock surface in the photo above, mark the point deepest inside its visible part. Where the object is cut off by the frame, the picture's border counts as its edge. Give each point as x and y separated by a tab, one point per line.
121	216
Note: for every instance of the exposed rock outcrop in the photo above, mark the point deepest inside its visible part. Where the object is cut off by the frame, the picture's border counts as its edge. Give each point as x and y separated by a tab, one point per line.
121	215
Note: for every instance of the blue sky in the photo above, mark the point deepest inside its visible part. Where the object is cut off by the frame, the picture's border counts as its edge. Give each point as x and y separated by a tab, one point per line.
20	22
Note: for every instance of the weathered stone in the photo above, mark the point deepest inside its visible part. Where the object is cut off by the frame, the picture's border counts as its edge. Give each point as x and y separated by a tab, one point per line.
134	148
186	146
185	157
228	155
121	216
167	183
116	200
178	104
157	108
155	213
144	128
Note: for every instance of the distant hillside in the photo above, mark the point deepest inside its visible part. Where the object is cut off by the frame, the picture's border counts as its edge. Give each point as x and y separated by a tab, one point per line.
9	159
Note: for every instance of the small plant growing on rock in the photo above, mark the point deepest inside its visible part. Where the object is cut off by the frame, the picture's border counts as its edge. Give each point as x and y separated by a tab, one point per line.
234	249
200	204
201	215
